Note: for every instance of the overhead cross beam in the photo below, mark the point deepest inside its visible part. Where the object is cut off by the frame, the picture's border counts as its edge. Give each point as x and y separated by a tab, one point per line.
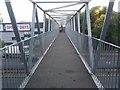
58	10
60	13
42	9
65	6
61	10
59	17
75	13
65	15
82	1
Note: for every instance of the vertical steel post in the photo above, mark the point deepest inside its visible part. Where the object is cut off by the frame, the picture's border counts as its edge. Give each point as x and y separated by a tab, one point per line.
88	20
78	17
38	24
84	22
44	28
32	39
1	61
33	20
49	23
74	23
107	20
71	24
104	30
16	32
44	22
90	35
119	41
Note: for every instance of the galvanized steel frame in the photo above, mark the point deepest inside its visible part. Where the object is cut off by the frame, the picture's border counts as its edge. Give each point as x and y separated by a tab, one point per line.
107	19
32	35
83	1
78	19
37	22
16	32
71	20
90	35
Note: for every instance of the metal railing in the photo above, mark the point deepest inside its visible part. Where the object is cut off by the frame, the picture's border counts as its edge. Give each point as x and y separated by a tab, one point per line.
12	67
106	63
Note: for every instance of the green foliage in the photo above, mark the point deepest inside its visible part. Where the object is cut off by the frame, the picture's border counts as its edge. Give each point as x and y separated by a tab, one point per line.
112	32
97	19
97	15
83	29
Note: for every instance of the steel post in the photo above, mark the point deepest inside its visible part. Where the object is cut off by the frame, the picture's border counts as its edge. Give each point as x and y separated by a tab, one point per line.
84	23
16	32
104	31
49	23
32	40
74	23
90	35
107	20
38	24
1	68
71	23
78	19
44	22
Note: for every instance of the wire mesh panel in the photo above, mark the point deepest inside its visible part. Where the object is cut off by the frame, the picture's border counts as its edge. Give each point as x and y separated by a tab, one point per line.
106	58
12	66
13	70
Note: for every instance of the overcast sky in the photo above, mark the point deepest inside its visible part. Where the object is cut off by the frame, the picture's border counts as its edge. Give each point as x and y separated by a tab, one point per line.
23	8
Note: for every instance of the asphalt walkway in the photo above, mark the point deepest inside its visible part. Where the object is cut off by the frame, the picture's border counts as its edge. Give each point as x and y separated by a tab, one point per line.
61	68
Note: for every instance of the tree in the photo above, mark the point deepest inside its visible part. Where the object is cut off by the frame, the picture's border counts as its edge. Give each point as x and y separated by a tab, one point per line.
97	15
97	18
112	32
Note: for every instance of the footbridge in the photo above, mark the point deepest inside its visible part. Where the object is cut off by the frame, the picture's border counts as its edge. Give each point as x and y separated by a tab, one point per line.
63	56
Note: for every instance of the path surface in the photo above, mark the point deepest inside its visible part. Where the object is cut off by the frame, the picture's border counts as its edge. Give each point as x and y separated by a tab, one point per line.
61	68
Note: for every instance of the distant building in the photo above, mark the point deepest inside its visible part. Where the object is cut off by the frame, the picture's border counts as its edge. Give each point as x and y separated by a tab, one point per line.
7	34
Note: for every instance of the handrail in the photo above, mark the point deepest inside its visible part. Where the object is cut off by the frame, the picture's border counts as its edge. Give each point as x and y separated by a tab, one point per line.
11	58
102	41
104	69
17	42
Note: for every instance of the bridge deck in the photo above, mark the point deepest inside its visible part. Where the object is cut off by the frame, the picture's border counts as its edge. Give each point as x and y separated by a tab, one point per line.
61	68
